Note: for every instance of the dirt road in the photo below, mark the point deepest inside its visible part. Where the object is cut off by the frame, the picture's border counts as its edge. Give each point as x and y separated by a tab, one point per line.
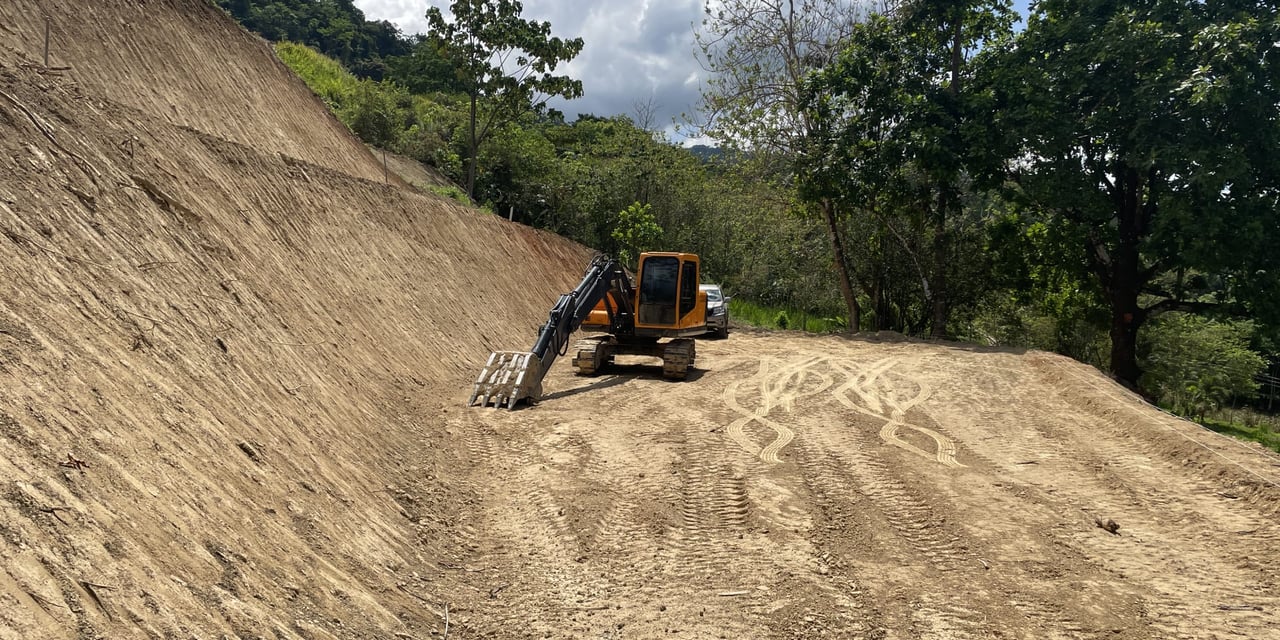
800	487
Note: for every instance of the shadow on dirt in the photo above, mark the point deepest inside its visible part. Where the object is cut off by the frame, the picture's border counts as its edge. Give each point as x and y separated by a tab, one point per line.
621	374
605	383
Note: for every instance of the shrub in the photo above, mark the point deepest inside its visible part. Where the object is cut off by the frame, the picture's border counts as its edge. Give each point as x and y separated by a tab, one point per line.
1195	365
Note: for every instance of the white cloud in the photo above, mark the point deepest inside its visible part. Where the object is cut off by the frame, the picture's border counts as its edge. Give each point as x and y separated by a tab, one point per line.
634	51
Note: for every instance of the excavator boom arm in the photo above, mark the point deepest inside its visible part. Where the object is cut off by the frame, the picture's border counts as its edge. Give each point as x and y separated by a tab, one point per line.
603	275
510	376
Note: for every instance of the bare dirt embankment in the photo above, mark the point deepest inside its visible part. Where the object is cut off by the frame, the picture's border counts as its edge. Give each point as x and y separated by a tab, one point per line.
241	338
232	369
185	63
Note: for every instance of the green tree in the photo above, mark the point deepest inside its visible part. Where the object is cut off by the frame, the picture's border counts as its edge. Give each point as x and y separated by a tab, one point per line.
896	134
504	63
635	231
1149	127
424	70
516	160
1195	364
759	53
373	113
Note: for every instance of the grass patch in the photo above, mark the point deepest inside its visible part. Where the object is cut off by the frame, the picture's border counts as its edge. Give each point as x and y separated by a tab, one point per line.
451	192
749	313
1246	425
325	76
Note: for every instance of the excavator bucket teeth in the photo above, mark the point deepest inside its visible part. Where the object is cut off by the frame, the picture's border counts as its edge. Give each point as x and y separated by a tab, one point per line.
507	378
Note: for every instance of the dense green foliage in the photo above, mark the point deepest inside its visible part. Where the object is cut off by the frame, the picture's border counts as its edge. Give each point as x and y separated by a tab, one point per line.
1105	158
1149	129
896	127
375	50
336	27
503	64
1196	365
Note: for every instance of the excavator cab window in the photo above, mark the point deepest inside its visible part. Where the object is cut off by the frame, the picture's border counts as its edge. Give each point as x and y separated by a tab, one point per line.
659	278
688	287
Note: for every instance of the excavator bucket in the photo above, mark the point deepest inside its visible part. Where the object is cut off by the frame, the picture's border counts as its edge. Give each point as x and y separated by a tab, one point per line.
508	377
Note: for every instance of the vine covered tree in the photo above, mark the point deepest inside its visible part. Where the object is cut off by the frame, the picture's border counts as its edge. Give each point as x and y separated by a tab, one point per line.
504	63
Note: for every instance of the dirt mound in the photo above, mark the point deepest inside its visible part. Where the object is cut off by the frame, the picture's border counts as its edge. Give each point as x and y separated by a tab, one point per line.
823	487
220	358
187	63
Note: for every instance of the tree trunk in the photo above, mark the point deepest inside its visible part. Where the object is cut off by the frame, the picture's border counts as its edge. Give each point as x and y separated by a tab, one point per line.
842	269
938	325
1126	316
1125	322
1125	280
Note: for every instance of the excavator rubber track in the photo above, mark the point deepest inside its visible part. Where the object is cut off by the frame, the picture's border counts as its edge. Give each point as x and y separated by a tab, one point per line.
593	354
677	357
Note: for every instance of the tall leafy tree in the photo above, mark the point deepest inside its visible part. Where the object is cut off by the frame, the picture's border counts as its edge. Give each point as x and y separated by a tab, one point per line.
898	133
1150	128
504	63
758	53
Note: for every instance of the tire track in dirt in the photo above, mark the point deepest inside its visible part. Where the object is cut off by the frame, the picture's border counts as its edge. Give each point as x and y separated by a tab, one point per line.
838	467
524	512
713	512
857	536
627	535
857	491
706	552
874	404
837	535
778	389
909	515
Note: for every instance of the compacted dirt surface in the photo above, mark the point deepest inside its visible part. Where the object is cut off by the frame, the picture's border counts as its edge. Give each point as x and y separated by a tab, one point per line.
802	487
234	361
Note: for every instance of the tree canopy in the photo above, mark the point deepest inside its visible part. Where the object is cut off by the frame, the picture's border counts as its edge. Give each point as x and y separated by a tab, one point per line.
1150	129
504	64
1102	183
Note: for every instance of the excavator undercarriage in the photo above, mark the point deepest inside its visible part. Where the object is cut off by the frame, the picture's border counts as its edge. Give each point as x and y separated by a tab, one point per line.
597	352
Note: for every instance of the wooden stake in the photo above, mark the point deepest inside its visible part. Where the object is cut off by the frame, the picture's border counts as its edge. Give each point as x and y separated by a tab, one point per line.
46	43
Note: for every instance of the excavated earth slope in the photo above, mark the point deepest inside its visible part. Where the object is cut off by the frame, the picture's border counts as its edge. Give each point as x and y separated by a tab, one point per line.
232	374
234	331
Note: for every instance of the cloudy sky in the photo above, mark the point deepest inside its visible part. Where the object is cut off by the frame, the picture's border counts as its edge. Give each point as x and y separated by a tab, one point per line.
636	52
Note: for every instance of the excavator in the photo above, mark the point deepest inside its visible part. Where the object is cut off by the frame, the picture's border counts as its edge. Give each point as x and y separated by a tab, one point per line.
664	302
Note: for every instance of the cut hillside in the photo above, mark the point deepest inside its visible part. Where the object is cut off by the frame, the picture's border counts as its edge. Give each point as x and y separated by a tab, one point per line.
416	174
221	347
185	62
